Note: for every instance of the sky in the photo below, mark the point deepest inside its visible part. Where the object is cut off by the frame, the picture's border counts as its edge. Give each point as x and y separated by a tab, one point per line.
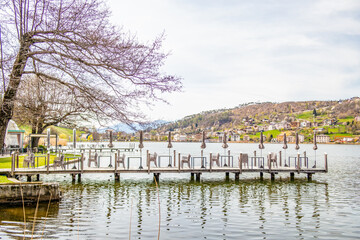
236	51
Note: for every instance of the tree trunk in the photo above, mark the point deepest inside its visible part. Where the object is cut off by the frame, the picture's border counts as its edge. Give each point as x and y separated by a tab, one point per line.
7	104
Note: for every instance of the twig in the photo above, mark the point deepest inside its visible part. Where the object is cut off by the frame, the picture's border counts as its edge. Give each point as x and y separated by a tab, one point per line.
35	215
23	203
157	189
47	211
130	217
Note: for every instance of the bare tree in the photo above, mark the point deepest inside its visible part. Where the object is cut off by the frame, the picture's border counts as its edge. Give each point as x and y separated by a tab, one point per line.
41	104
72	42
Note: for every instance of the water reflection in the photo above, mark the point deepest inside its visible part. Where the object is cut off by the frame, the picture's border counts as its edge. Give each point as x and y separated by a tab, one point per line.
210	209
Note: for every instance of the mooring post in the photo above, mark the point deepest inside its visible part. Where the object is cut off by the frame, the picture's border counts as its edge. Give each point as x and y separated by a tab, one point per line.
292	176
79	177
157	177
309	176
326	163
272	176
37	177
280	160
198	177
261	176
227	176
192	176
237	176
28	178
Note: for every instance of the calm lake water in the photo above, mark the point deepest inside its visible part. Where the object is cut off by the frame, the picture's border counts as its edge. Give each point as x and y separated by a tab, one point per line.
326	208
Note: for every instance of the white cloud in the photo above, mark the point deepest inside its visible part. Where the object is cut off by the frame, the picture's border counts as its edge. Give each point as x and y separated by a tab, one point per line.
230	52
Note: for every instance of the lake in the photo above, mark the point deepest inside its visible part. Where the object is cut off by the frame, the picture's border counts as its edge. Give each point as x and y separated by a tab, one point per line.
328	207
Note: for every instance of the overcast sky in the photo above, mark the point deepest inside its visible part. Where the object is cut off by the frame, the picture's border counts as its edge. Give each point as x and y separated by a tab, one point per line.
236	51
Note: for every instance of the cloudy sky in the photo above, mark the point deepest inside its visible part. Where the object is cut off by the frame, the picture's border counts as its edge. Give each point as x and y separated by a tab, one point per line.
236	51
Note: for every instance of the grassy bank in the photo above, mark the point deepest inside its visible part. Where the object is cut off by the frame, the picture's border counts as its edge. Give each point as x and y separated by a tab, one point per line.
4	179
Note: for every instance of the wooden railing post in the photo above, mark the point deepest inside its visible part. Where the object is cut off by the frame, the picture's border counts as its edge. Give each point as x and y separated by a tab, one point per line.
326	163
89	157
174	158
305	163
179	162
210	162
269	161
298	162
240	162
255	158
116	164
48	162
82	162
280	160
229	158
148	160
12	164
17	159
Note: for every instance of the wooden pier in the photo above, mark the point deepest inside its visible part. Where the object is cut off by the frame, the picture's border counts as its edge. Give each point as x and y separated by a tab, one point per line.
237	167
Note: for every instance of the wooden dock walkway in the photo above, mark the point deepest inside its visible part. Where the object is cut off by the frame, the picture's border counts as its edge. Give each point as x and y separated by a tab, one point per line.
257	165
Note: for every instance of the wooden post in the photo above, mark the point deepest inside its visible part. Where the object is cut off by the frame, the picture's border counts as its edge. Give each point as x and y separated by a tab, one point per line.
73	176
89	157
227	176
79	177
272	176
12	164
157	177
179	162
280	160
309	176
37	177
240	163
237	176
82	162
229	158
298	162
261	176
28	178
198	177
326	163
292	176
210	162
116	164
17	159
255	158
117	177
148	160
192	176
269	162
174	158
48	162
305	163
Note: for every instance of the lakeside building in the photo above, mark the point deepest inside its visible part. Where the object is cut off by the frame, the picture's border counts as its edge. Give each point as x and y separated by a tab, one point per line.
322	138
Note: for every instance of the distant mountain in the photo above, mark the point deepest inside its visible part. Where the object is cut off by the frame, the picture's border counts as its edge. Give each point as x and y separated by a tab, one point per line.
122	127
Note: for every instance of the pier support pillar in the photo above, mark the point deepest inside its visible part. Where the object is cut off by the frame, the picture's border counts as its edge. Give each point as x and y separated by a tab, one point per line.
261	176
272	176
38	177
309	176
73	176
79	177
292	176
192	176
157	177
17	177
198	177
28	178
237	176
117	177
227	176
